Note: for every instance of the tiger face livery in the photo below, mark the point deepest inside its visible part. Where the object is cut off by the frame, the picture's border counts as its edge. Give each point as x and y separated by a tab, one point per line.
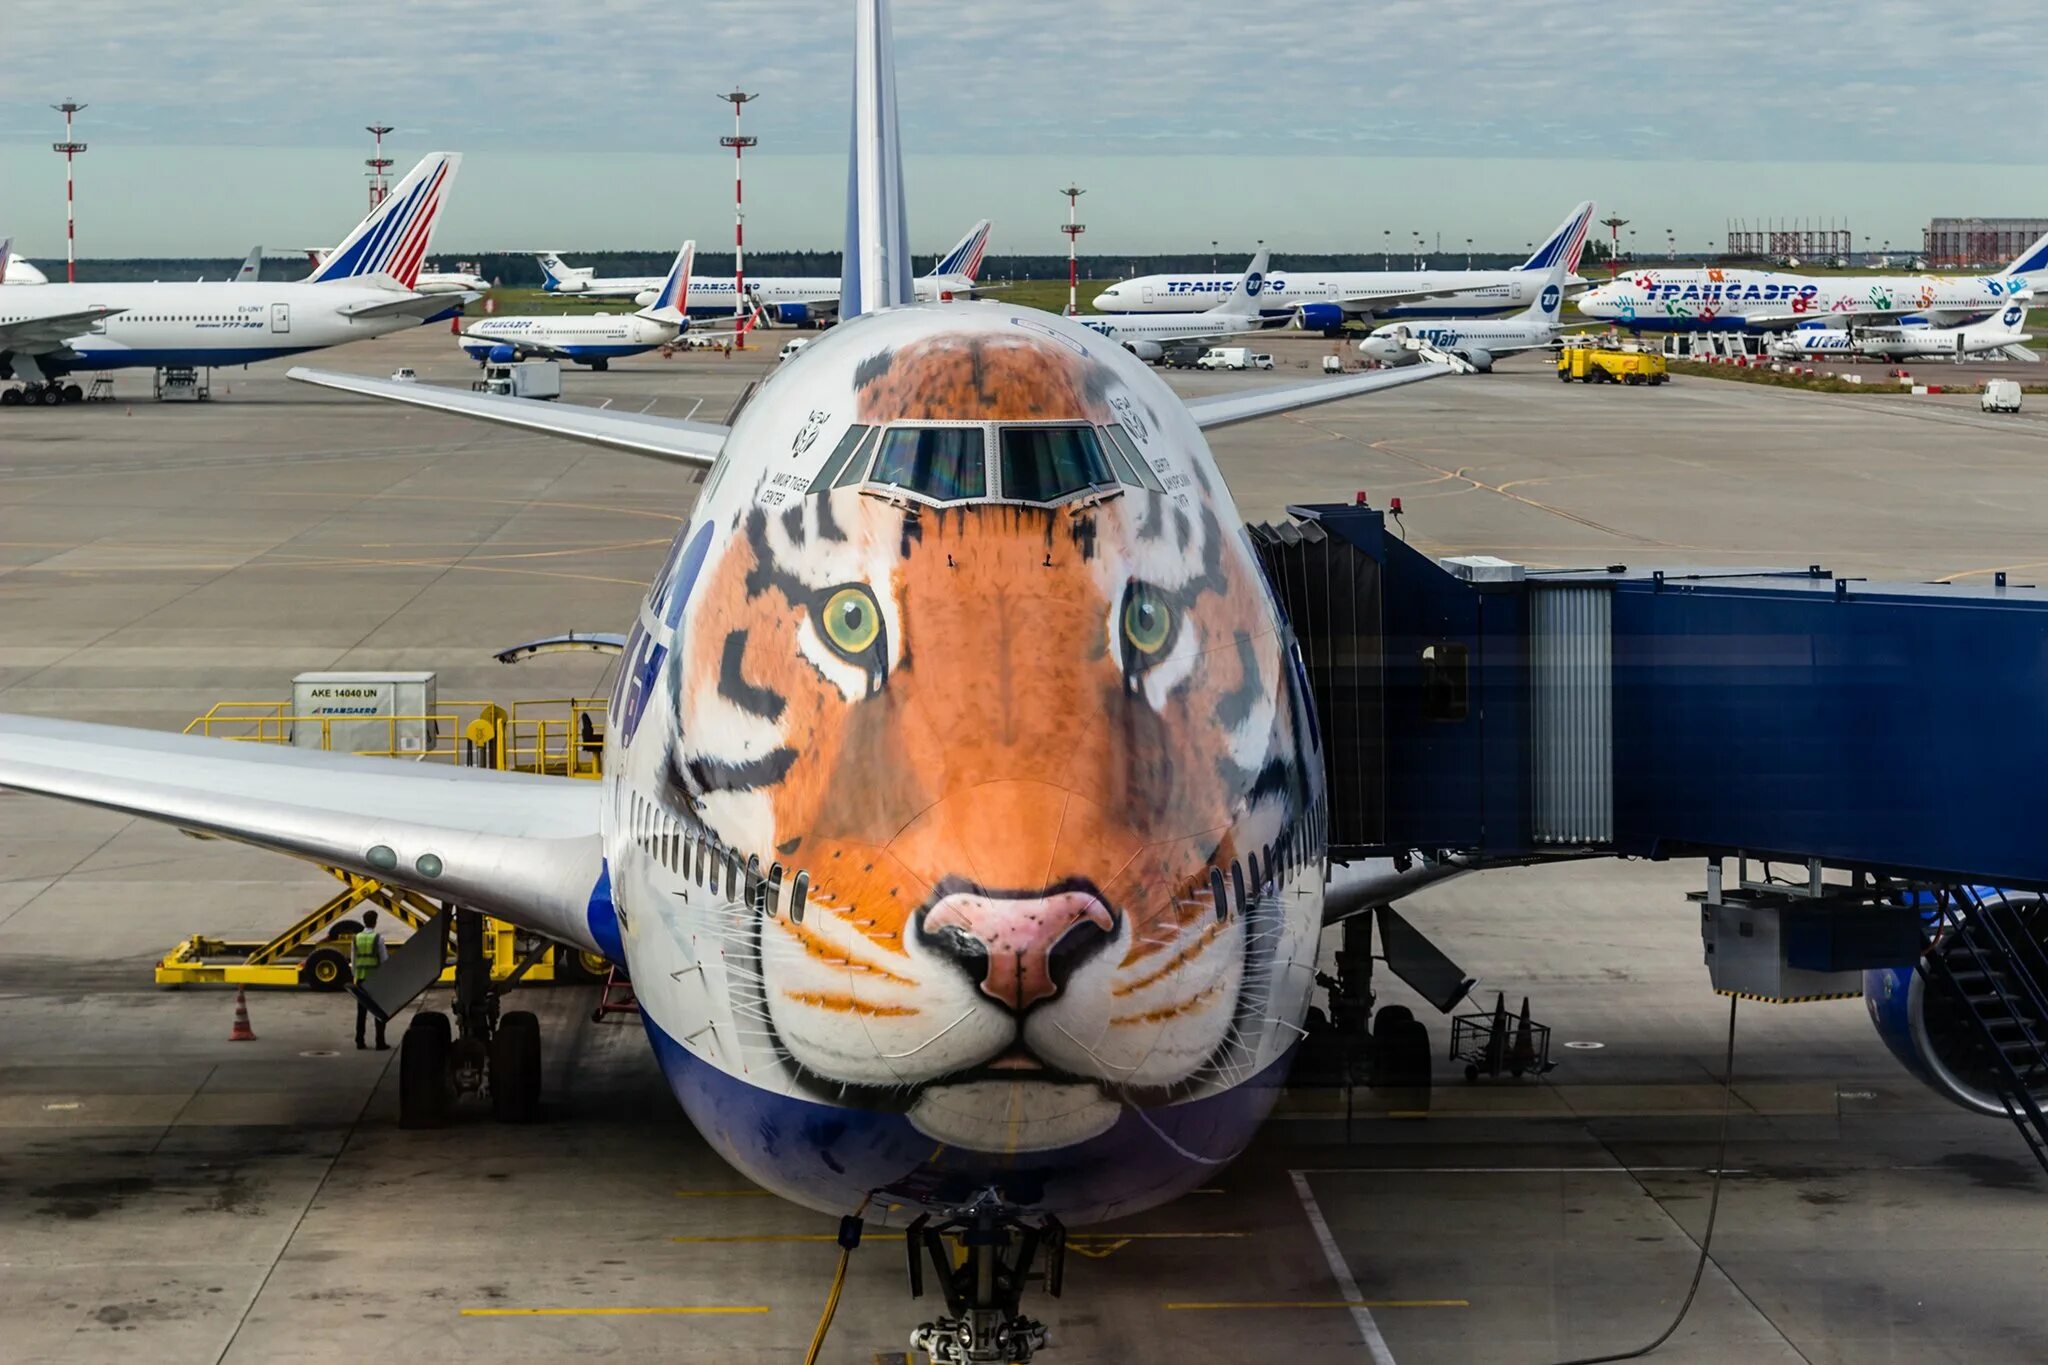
1041	761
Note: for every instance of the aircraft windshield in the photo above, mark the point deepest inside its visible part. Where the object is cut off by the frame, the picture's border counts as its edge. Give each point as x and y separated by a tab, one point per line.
1043	464
942	463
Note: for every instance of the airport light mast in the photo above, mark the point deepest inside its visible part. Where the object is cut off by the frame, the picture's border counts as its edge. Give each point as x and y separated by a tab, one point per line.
70	147
1073	228
739	99
1614	223
378	164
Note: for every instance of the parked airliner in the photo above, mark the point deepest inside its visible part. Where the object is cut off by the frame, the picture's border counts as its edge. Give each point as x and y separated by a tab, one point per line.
363	289
1327	301
2004	335
1479	343
593	339
1150	336
962	819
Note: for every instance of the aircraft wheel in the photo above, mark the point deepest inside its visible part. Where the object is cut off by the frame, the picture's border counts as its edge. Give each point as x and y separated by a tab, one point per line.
50	396
324	970
423	1090
600	364
10	398
575	966
515	1068
73	394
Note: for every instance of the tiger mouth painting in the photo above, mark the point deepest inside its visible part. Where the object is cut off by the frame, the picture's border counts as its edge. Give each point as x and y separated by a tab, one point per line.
1016	747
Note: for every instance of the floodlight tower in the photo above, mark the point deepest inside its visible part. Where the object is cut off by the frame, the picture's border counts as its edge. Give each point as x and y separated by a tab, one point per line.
739	99
70	147
378	164
1073	228
1614	223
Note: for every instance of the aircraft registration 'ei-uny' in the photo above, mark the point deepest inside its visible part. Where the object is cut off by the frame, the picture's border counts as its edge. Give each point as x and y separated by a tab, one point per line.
962	819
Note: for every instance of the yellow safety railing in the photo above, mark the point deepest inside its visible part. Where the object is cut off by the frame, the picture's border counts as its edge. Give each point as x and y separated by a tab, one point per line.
561	736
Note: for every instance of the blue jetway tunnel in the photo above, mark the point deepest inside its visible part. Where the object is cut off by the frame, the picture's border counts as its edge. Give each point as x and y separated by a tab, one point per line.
1874	754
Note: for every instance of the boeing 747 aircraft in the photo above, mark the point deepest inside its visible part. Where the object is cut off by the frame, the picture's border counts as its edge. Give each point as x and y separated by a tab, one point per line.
363	289
898	962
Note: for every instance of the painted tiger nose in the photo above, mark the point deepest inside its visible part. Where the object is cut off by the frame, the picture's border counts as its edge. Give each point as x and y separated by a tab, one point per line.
1020	947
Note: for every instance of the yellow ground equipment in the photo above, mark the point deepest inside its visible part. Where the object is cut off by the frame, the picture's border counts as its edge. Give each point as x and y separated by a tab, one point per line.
1597	365
563	737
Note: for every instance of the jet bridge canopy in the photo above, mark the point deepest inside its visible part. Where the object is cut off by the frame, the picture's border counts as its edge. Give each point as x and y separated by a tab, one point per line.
1484	707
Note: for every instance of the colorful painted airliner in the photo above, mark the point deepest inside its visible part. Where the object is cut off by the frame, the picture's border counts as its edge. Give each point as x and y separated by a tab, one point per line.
363	289
784	301
963	821
1715	299
1327	301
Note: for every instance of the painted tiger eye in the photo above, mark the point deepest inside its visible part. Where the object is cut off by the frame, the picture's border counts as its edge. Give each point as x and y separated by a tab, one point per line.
851	620
1148	622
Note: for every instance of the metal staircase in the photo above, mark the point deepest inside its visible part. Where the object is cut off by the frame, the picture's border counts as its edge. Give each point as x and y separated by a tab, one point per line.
1990	959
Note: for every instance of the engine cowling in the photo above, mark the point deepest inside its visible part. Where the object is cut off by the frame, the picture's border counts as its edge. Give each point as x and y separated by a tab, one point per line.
1326	318
569	285
789	314
502	355
1929	1030
1151	352
1481	361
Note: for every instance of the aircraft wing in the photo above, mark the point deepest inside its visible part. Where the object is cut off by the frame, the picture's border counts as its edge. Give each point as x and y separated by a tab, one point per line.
664	438
1227	409
522	847
1371	303
520	345
37	335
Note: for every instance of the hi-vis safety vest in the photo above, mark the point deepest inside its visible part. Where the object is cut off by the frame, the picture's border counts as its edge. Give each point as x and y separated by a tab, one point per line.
366	954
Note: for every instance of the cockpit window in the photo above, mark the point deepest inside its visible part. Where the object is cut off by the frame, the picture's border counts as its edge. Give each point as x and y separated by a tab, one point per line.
842	455
1141	473
1043	464
941	463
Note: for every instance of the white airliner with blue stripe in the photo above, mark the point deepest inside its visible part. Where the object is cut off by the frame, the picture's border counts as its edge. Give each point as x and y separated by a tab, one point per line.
1326	301
592	339
783	300
365	288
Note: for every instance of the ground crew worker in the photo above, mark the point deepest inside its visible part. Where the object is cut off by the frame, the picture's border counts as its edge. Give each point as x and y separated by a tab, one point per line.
370	954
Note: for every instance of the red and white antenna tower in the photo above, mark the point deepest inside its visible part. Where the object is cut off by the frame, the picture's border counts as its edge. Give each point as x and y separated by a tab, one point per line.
378	164
739	99
70	147
1073	229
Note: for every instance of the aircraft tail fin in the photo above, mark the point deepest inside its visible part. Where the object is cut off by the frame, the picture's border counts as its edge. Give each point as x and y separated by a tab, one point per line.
393	240
2013	320
2032	261
672	300
1549	305
965	258
556	272
1243	300
875	269
1564	244
252	268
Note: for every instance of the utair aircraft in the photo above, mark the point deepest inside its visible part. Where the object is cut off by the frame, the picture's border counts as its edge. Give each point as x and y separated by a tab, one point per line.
1478	344
962	821
1150	336
364	289
1715	299
2004	335
593	339
1326	302
783	301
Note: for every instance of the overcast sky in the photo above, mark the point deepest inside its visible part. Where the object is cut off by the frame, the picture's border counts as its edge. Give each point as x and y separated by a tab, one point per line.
1311	124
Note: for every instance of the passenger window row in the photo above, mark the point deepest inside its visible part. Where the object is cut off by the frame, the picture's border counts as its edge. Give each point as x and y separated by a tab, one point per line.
1262	873
698	855
1036	463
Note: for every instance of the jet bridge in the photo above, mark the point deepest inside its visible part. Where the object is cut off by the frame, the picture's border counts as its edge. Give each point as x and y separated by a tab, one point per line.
1859	764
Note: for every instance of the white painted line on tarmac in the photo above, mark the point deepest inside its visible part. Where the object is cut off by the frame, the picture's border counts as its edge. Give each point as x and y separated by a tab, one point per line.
1347	1287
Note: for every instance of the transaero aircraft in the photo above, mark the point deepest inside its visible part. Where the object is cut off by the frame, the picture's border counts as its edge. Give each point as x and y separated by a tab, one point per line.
363	289
962	822
1726	300
1477	343
1325	302
784	301
1149	336
593	339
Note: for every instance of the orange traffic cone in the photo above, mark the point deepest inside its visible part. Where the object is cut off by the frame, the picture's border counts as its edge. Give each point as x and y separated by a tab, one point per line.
242	1032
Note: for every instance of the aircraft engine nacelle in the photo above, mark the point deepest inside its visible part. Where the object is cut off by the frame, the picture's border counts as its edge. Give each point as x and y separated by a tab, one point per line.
1481	361
1326	318
645	298
788	315
570	284
1923	1025
1151	352
502	355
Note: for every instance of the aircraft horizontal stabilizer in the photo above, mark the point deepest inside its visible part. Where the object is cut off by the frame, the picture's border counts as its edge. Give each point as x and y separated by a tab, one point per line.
661	438
524	848
1227	409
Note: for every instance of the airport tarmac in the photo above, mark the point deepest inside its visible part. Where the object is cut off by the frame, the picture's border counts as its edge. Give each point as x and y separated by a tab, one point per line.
169	1195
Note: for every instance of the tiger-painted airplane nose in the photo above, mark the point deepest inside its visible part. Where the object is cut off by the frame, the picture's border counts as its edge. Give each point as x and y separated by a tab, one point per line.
1019	947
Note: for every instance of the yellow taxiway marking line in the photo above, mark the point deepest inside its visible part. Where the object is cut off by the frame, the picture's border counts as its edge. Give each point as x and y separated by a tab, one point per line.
1322	1303
675	1310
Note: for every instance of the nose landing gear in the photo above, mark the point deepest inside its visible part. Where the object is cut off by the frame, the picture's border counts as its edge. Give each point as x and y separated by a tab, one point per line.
984	1320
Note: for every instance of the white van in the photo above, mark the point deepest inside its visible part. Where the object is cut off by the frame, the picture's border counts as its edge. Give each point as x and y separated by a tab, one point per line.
1224	358
1261	361
2000	395
791	347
